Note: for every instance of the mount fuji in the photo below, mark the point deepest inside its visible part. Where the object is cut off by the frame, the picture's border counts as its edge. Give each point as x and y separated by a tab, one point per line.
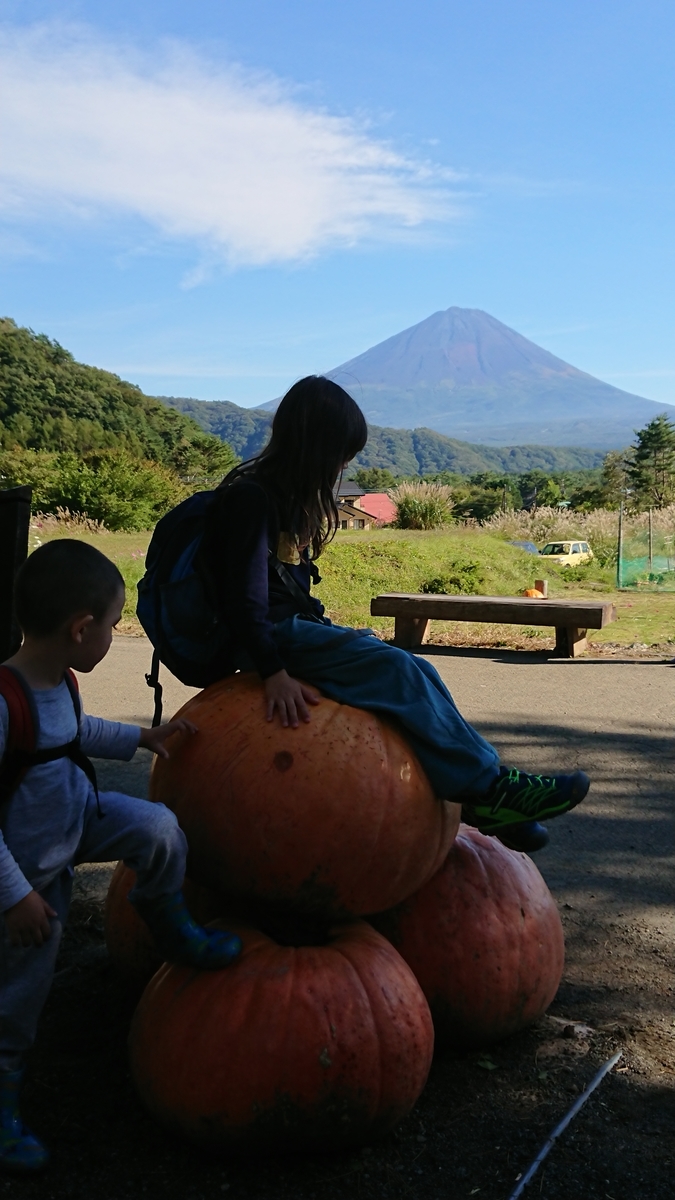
461	372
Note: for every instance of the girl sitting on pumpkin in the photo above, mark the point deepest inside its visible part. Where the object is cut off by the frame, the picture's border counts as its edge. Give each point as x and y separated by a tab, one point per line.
284	498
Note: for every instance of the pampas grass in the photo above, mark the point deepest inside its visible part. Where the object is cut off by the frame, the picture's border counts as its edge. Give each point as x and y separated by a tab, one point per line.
422	505
599	528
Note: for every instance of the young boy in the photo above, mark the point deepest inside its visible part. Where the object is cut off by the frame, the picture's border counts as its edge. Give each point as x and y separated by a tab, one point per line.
69	598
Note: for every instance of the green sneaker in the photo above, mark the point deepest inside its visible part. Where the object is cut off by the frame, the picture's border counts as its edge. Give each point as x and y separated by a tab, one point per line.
516	796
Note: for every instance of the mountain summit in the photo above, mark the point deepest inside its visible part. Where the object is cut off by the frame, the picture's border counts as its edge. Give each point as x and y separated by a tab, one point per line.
465	374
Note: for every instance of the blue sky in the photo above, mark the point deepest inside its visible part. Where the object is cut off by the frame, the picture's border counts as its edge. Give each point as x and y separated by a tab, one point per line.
213	198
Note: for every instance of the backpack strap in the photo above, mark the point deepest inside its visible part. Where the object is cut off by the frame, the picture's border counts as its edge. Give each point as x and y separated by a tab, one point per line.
74	689
75	753
20	752
22	730
152	680
299	594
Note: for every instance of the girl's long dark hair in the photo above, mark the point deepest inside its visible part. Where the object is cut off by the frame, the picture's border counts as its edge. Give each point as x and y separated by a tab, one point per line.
317	428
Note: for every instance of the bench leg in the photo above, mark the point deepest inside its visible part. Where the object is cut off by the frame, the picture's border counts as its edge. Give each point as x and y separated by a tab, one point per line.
570	641
410	632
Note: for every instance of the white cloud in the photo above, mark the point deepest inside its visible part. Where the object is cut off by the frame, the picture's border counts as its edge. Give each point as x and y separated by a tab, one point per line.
202	152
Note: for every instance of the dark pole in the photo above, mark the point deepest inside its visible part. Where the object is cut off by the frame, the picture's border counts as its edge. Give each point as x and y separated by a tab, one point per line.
619	550
14	526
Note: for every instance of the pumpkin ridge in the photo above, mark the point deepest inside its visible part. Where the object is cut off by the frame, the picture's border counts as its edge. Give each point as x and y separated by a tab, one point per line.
383	815
368	1008
283	1004
330	720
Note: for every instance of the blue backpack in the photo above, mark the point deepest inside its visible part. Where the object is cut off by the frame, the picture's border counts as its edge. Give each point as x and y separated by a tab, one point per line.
177	606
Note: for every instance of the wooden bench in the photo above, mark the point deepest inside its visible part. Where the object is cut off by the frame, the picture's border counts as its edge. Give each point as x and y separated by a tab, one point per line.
571	618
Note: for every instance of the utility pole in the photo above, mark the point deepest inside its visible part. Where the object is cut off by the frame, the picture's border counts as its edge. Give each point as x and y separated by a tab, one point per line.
619	549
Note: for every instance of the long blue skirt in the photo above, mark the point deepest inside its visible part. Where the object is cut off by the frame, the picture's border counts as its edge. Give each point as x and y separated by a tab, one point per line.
354	667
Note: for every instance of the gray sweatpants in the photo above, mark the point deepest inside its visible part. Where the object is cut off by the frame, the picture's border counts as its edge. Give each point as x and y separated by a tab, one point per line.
147	838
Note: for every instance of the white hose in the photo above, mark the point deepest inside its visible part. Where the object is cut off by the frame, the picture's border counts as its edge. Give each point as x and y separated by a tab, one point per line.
531	1172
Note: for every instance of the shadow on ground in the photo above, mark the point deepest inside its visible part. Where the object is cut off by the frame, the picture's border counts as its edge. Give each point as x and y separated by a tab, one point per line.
482	1117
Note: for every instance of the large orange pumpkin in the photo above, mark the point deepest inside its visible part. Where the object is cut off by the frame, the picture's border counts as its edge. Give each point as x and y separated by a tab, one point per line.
128	939
484	939
336	816
310	1047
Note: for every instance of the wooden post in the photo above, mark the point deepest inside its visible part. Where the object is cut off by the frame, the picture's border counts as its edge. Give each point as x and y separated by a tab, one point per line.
570	641
651	543
14	526
410	632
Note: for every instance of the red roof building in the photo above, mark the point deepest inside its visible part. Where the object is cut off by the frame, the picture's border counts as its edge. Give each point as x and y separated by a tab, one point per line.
377	505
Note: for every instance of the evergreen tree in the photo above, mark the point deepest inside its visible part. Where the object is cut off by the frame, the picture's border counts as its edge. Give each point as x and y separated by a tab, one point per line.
488	493
651	471
374	479
538	489
605	488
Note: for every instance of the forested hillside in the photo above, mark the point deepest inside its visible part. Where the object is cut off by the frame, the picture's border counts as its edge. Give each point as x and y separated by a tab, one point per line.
50	402
245	429
401	451
86	441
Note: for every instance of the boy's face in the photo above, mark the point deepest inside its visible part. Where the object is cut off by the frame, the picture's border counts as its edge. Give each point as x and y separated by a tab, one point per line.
91	639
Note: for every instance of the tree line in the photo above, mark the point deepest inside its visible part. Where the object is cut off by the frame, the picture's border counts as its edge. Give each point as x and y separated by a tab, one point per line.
87	441
642	477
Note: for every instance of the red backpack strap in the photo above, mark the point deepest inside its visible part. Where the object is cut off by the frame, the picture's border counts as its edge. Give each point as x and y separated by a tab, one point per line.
23	728
22	715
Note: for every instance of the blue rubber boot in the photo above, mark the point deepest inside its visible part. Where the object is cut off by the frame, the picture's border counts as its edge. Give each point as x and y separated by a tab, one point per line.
20	1151
516	797
178	938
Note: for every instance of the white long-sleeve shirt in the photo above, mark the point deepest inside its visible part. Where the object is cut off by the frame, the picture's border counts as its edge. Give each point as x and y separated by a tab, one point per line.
41	824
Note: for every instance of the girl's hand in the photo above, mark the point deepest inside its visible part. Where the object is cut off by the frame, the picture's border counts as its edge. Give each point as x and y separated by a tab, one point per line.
27	922
289	697
154	739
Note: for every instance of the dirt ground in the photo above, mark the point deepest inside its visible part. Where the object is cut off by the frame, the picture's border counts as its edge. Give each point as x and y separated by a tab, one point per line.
483	1117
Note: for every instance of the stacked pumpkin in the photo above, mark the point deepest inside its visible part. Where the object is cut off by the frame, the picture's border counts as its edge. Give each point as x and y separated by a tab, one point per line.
321	1034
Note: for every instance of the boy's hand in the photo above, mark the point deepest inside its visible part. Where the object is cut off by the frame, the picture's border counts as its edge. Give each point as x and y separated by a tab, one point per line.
289	697
28	921
154	739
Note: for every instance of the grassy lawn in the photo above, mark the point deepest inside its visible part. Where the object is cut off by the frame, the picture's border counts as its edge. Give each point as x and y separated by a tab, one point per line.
359	565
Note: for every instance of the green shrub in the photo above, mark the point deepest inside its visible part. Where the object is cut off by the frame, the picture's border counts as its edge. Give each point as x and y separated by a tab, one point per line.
578	574
109	486
462	579
118	490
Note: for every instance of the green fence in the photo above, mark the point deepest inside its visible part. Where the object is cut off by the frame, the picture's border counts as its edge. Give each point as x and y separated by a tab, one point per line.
646	556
